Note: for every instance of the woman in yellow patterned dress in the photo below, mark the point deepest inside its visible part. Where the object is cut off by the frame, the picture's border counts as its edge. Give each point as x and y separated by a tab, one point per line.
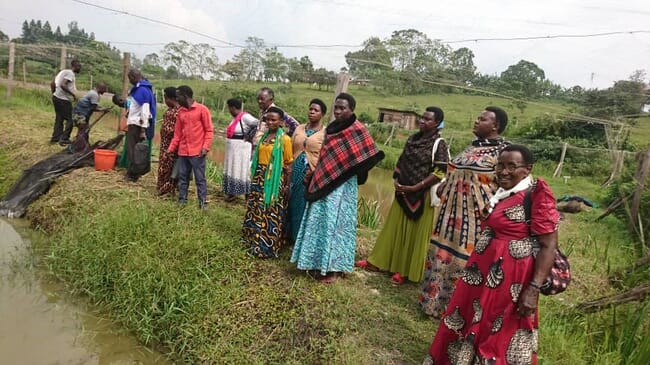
266	206
470	183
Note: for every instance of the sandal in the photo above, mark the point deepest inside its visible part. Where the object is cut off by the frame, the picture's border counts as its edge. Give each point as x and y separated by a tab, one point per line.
364	264
397	279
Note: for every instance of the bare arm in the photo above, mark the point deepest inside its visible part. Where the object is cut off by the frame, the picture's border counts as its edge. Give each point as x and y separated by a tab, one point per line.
543	264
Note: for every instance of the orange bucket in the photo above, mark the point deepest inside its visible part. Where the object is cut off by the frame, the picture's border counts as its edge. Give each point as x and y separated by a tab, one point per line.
105	159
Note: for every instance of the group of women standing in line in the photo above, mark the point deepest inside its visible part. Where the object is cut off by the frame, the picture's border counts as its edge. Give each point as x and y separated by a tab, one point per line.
304	188
481	262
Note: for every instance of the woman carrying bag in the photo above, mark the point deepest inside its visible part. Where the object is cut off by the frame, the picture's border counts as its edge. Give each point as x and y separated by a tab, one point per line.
401	247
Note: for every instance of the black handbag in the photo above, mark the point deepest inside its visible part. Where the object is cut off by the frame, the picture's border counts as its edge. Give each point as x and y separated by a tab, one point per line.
560	276
141	163
174	174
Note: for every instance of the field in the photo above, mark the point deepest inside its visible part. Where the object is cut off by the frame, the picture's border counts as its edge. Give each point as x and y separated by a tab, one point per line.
179	280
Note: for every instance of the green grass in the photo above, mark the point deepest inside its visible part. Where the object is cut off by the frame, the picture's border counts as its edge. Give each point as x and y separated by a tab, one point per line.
178	277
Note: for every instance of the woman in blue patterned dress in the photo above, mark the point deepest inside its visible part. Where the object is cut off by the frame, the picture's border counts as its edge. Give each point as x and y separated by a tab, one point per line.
327	238
307	141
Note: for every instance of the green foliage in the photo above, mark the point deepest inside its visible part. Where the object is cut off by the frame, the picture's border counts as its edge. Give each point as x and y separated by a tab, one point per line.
366	118
624	186
194	61
525	78
179	278
368	213
624	98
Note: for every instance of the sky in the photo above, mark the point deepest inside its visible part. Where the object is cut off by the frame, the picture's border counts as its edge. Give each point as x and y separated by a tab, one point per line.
593	62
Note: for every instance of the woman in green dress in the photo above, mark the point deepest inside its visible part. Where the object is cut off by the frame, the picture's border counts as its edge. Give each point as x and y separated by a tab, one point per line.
401	247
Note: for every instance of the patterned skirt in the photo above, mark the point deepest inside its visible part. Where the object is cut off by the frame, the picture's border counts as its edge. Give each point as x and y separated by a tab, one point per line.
327	238
263	228
165	184
297	200
452	241
236	167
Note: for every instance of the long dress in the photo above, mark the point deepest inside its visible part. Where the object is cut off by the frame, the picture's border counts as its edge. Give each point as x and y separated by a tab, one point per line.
165	184
402	244
470	185
263	227
237	159
306	145
481	324
327	238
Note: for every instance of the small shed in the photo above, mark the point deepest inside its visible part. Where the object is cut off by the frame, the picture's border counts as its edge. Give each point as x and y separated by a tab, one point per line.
404	118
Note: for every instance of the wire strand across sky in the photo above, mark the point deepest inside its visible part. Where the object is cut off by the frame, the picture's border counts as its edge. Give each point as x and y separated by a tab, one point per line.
231	44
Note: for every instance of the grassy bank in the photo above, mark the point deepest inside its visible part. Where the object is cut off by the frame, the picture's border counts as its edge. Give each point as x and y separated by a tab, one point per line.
178	277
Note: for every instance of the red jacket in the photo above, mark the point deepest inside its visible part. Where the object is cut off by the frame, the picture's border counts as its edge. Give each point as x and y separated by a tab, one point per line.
193	130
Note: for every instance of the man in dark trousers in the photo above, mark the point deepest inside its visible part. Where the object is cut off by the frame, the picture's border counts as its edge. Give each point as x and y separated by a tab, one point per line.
141	106
192	139
63	94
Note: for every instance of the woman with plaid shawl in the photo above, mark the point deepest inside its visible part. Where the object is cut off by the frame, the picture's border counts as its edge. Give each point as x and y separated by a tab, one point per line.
327	237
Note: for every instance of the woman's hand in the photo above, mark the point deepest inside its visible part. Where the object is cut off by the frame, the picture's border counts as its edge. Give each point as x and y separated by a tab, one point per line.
527	302
404	189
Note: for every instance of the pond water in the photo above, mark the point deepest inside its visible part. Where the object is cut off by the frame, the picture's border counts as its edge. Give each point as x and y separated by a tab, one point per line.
40	325
378	187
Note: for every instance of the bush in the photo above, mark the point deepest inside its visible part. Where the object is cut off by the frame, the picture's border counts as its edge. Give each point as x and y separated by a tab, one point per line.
624	186
366	118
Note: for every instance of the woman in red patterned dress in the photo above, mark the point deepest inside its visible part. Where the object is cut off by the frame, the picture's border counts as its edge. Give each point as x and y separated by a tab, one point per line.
492	315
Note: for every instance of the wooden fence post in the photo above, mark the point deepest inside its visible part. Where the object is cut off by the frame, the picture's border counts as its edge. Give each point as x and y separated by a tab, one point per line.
24	72
641	176
558	169
62	60
342	80
10	69
126	65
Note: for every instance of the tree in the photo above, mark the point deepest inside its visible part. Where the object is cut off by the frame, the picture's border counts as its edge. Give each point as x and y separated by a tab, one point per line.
3	37
306	64
525	78
624	98
461	63
371	61
275	65
192	60
27	35
322	77
57	34
251	58
638	76
234	70
417	57
152	65
300	70
152	59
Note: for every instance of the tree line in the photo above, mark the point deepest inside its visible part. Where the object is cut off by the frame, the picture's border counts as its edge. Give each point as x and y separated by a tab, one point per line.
408	62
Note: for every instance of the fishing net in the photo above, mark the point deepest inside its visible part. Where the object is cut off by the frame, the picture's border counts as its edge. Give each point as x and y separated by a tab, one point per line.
36	180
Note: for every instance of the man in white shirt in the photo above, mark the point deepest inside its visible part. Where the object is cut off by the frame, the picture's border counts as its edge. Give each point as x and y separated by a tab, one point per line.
63	94
140	120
